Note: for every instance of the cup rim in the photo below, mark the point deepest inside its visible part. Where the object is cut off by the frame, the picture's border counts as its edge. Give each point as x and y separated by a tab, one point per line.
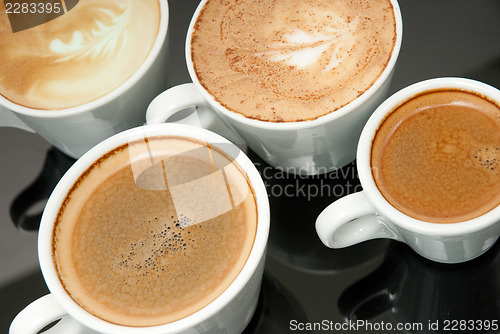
53	204
297	125
118	91
364	155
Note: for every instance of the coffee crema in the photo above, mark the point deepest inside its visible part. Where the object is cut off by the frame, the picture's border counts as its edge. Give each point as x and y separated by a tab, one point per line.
154	231
291	60
79	56
436	157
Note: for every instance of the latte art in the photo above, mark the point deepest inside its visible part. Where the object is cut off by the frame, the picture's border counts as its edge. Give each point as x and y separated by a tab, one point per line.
78	57
302	48
107	40
291	60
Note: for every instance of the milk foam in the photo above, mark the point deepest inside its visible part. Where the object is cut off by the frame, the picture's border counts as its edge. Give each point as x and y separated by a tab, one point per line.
291	60
107	39
79	57
301	48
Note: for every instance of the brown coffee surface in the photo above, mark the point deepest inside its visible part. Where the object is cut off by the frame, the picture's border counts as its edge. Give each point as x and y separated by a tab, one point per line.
78	57
154	241
291	60
436	157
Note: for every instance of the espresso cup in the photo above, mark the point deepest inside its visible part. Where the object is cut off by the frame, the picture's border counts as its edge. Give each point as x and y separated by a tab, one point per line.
186	222
428	164
299	100
85	76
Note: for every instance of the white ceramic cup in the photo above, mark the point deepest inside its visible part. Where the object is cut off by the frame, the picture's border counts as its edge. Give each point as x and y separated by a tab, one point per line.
77	129
306	147
368	215
230	312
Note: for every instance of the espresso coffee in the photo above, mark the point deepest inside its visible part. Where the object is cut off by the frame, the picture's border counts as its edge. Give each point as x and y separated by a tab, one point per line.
436	157
78	57
154	231
291	60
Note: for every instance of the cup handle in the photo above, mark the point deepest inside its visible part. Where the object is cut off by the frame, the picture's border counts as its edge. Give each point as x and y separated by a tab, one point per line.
37	315
8	118
171	106
350	220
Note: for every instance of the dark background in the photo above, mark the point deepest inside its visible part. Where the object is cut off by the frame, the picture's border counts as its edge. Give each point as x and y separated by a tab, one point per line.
382	281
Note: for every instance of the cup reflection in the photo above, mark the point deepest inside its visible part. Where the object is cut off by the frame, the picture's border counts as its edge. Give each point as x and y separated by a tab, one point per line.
412	290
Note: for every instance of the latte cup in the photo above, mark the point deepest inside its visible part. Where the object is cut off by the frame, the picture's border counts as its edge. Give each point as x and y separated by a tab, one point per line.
229	312
369	214
75	129
304	146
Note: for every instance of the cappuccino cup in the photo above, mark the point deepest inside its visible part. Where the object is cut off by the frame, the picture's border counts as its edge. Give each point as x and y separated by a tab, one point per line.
86	75
295	82
158	229
428	164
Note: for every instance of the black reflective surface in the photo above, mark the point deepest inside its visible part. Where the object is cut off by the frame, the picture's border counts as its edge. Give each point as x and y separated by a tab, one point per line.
308	288
410	289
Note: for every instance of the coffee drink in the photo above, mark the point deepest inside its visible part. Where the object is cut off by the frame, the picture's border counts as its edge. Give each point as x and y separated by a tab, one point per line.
291	60
436	156
78	57
154	231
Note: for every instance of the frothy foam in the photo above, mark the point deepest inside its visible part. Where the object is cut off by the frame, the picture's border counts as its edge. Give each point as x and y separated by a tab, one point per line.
78	57
291	60
136	255
436	156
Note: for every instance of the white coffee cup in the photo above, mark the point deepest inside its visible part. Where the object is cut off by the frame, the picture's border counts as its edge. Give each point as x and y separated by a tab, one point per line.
368	215
230	312
77	129
303	147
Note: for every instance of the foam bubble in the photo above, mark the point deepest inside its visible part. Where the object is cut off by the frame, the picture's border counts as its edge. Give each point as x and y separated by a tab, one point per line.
488	158
149	255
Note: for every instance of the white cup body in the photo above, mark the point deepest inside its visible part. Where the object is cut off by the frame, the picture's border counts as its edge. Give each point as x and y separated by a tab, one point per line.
303	147
368	215
228	313
77	129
